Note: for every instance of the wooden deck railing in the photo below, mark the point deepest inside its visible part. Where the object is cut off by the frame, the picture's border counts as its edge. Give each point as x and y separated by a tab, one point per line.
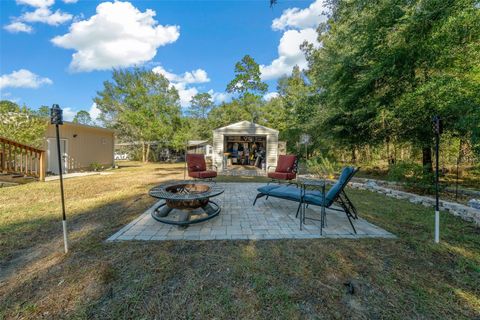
18	158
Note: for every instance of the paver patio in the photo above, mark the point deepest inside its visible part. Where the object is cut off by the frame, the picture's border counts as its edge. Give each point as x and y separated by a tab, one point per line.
268	219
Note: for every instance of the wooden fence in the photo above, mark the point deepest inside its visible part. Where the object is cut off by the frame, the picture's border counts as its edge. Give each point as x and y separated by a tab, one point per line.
18	158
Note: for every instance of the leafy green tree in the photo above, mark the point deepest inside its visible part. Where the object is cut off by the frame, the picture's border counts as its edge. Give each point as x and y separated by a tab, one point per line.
227	113
20	124
43	112
141	106
249	88
8	106
200	106
247	78
386	67
299	105
83	117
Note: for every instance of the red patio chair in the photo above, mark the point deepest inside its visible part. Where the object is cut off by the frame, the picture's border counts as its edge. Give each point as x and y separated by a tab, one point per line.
286	168
197	167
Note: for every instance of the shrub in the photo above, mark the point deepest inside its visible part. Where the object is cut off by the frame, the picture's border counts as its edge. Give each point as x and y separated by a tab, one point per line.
322	167
95	166
413	175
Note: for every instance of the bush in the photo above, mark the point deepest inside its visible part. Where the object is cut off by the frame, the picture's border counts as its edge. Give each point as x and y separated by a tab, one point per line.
96	166
413	175
322	167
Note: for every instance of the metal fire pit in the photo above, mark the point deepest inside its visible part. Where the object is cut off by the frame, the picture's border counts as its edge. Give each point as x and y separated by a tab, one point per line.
186	202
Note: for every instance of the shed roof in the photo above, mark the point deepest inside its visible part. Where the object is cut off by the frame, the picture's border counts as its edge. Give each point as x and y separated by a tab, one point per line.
247	126
79	125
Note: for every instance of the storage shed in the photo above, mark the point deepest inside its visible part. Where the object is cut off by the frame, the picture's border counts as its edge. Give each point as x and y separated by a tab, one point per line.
245	143
82	147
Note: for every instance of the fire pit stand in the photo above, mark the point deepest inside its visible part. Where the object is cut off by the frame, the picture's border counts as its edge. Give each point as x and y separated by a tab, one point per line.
186	202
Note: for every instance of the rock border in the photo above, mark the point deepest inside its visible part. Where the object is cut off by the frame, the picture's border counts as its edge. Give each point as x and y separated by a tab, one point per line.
465	212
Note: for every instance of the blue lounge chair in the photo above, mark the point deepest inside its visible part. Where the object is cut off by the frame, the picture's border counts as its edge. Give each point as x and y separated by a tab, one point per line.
336	195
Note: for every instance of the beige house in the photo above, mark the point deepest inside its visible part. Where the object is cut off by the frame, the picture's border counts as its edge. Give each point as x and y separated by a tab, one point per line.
238	144
81	147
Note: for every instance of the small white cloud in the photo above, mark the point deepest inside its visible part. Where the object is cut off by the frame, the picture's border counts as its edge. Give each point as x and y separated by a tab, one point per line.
269	96
118	35
189	77
69	114
183	82
70	1
94	112
299	26
16	27
22	79
289	53
37	3
45	15
301	18
219	97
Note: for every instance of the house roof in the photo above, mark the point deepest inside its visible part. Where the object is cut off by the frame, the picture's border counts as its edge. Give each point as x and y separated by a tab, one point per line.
192	143
85	126
247	126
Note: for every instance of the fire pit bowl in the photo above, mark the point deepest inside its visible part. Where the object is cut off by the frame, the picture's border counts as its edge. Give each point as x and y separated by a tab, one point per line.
187	189
186	202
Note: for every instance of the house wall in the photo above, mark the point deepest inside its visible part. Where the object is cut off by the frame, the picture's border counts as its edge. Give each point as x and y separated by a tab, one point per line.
90	145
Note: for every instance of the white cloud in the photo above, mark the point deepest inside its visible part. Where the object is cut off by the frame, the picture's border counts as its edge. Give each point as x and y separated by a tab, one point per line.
118	35
16	27
219	97
68	114
45	15
70	1
183	82
22	79
189	77
301	18
289	53
94	112
269	96
298	25
37	3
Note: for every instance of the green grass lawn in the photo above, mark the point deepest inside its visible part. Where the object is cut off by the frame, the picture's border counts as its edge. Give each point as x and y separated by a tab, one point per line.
409	277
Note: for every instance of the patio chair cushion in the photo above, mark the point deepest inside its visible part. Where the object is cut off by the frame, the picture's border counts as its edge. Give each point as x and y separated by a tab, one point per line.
286	163
202	174
196	162
282	175
337	187
266	189
286	192
315	199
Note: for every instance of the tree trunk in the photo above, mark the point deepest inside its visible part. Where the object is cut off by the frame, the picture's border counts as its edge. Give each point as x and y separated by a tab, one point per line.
147	153
143	152
427	160
354	155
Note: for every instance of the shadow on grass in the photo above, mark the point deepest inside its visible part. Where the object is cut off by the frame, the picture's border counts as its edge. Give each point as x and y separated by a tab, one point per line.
406	278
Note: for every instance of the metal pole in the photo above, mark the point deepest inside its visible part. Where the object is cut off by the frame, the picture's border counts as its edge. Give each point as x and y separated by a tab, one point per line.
458	162
437	207
64	218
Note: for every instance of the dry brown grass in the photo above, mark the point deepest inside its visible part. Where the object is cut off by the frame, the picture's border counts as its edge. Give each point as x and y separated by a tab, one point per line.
405	278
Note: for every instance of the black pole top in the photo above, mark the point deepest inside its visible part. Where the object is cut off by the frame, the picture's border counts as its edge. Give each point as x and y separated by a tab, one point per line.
56	115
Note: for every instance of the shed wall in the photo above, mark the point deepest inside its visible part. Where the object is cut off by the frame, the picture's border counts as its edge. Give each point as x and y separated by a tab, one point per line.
91	145
245	129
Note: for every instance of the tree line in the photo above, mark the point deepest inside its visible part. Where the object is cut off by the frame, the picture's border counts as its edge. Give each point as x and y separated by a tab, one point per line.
383	70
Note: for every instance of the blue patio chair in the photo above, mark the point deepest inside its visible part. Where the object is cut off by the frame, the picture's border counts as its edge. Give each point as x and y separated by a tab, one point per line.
336	195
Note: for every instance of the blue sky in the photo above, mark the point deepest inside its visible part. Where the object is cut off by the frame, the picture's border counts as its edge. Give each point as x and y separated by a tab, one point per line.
62	51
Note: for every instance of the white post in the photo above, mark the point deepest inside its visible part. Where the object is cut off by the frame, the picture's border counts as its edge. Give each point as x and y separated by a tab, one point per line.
437	226
65	239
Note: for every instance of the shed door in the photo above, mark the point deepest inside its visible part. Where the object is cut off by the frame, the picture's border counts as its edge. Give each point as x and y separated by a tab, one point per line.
53	155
